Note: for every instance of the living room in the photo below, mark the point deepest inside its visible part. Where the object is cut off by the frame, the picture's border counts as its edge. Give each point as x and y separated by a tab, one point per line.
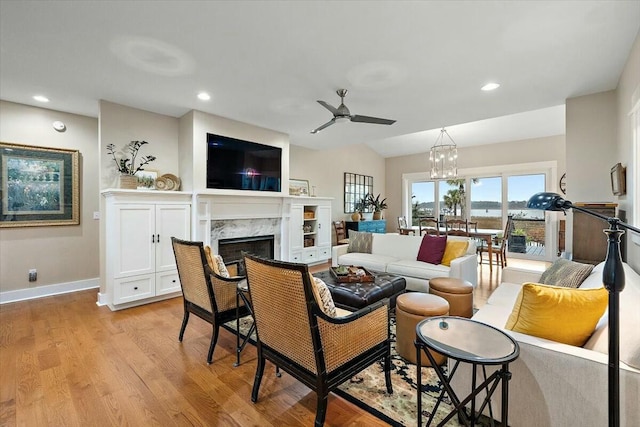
597	135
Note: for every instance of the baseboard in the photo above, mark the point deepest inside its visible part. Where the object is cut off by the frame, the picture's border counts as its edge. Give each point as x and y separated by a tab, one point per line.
47	291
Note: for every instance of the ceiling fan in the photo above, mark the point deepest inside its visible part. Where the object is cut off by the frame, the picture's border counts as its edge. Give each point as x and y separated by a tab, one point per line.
342	114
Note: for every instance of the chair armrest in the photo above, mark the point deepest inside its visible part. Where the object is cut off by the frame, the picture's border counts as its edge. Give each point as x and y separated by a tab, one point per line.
225	290
343	338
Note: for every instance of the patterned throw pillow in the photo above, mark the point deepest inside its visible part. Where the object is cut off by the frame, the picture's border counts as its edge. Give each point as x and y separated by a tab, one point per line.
323	296
209	255
360	242
221	267
566	274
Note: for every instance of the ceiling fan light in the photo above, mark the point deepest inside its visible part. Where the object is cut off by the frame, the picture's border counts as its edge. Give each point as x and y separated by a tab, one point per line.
342	119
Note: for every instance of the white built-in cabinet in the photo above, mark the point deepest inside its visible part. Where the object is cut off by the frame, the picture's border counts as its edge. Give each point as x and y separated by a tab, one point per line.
139	261
310	231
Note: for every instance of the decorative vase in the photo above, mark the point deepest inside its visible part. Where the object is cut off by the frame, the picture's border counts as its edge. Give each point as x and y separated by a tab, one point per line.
128	182
355	216
377	215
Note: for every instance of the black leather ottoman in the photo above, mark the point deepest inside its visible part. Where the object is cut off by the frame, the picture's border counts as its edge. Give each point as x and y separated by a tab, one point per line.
358	295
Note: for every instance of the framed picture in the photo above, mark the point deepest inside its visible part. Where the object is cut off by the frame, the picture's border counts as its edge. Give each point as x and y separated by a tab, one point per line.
147	179
298	187
618	181
39	186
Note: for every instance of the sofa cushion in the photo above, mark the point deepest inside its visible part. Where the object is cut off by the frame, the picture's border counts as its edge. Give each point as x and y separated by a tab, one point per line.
368	261
396	245
559	314
418	269
454	249
432	249
629	316
565	273
359	242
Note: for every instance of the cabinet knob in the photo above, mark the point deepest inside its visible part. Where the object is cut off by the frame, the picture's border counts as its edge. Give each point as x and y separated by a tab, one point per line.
135	288
174	280
153	238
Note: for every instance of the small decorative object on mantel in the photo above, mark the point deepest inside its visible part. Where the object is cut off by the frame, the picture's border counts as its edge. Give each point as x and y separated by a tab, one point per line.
299	187
168	182
127	164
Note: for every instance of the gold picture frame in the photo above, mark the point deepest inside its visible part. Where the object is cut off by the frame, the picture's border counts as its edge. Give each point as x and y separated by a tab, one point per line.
299	187
618	180
39	186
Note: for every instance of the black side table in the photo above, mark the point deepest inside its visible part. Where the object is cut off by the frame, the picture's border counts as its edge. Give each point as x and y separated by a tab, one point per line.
469	341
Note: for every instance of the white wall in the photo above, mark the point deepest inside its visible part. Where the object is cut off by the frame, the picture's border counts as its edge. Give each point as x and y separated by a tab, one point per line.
61	254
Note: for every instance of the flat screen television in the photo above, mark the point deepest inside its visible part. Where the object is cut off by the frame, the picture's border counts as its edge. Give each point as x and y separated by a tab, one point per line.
235	164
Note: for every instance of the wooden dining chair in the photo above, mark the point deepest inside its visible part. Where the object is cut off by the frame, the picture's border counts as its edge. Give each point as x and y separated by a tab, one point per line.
403	226
457	227
341	233
498	247
428	225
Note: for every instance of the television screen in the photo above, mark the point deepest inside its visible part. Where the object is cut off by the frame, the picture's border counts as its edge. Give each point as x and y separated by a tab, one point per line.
235	164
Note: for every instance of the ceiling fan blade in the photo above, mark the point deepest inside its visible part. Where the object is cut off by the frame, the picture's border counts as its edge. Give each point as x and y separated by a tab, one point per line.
328	107
326	125
375	120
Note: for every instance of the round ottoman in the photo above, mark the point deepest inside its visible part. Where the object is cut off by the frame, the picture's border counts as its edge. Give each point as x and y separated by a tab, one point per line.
457	292
411	308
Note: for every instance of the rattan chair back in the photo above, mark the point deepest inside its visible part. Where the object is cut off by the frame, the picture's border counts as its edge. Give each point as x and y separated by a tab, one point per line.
196	286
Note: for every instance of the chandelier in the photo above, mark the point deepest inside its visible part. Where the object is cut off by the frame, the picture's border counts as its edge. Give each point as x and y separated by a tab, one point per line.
443	157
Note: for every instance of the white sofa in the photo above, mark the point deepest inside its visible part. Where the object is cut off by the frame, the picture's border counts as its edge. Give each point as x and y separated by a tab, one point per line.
396	254
561	385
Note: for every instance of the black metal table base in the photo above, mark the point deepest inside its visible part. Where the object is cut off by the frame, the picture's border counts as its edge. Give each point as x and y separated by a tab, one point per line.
489	384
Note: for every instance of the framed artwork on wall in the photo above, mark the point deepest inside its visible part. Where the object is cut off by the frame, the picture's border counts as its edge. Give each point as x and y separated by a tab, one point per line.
147	179
618	181
39	186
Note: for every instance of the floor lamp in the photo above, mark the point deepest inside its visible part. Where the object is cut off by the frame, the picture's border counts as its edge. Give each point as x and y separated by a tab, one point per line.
613	280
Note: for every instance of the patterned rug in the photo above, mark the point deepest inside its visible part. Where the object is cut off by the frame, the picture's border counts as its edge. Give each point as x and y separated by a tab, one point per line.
367	389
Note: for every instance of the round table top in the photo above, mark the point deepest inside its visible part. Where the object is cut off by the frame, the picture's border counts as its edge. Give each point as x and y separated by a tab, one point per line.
467	340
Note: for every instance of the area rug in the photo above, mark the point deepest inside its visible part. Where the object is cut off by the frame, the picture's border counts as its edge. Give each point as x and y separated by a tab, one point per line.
367	390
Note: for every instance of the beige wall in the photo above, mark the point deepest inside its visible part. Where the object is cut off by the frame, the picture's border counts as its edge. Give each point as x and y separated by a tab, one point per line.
506	153
325	171
61	254
120	124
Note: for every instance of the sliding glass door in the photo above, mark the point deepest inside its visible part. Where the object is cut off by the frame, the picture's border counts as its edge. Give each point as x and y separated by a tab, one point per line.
529	228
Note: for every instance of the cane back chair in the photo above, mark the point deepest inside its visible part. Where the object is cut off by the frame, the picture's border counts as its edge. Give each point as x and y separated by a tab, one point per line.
206	294
294	333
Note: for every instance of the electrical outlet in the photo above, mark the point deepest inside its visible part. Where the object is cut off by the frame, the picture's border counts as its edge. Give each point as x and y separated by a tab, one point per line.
33	275
96	215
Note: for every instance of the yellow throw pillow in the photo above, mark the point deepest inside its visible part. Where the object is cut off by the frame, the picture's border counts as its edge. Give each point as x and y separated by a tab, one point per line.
454	249
558	314
212	263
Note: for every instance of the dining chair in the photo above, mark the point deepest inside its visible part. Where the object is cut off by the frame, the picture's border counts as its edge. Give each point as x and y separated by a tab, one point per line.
294	333
499	246
206	294
403	227
456	227
341	233
428	225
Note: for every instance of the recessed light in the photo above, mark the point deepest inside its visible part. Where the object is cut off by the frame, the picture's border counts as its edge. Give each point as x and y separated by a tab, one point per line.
490	86
41	98
204	96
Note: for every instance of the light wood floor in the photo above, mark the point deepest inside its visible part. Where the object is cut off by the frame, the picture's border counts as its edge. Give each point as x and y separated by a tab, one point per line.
66	362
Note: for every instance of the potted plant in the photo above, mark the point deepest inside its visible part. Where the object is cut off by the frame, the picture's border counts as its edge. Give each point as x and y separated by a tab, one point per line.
377	205
518	241
126	165
358	208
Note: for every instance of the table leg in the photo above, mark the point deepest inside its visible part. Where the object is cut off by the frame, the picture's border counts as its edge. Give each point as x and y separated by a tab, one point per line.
419	379
506	376
490	252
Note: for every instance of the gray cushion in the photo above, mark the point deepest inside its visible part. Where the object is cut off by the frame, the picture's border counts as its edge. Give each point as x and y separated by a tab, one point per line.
360	242
565	273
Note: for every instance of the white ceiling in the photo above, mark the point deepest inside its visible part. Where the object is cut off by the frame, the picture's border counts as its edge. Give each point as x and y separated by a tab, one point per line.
421	63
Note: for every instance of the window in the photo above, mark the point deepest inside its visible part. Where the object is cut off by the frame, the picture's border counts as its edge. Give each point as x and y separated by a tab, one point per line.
486	202
356	187
422	200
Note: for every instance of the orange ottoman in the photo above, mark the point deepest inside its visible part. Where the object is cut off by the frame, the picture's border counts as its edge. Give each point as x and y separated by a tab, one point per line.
411	308
457	292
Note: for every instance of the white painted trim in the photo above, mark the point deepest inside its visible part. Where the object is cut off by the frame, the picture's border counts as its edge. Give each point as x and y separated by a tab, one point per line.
102	299
49	290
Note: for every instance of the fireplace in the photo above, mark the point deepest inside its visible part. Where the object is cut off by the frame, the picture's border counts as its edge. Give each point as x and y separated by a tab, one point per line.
231	249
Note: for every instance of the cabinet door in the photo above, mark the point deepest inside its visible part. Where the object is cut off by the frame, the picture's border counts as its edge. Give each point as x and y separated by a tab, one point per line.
171	221
134	231
323	214
295	232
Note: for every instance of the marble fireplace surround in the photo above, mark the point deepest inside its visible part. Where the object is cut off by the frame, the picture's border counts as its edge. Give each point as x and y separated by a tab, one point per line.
239	216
